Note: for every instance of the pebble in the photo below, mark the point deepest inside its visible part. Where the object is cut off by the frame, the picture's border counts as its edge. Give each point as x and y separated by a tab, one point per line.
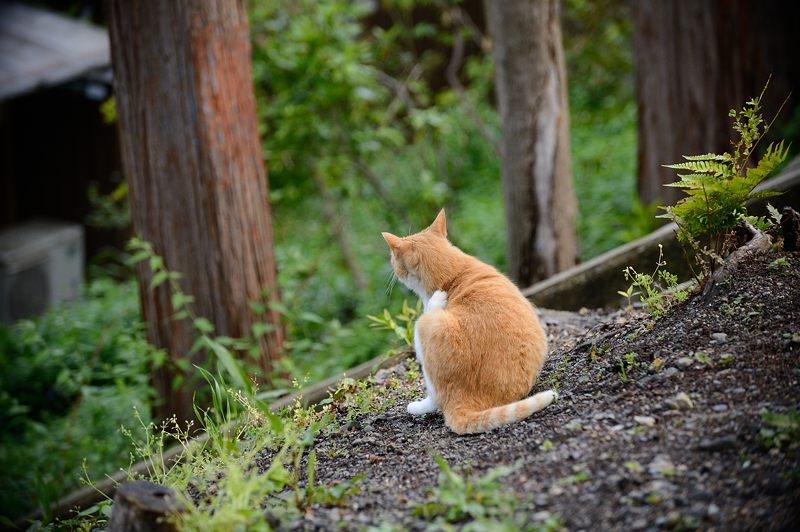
648	421
717	444
639	524
719	337
713	511
541	516
738	390
684	362
720	408
680	401
669	372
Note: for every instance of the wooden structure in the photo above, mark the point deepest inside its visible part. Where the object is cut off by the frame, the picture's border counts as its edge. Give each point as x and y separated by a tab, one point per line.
39	48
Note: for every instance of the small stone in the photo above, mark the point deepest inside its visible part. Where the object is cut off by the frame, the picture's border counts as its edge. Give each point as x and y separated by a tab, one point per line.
555	490
669	372
681	401
541	516
684	362
699	494
673	518
647	421
717	444
639	524
738	390
713	511
719	408
719	337
541	500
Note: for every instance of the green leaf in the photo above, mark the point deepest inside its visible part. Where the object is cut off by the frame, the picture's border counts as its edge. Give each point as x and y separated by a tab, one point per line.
158	279
203	325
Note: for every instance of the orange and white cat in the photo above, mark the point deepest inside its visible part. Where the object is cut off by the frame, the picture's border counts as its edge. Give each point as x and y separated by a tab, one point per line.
479	341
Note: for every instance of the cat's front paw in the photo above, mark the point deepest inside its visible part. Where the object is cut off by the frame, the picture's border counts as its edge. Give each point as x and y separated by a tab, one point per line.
420	408
438	300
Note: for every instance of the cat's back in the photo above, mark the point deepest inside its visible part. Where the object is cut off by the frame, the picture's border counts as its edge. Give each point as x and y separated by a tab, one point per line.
485	295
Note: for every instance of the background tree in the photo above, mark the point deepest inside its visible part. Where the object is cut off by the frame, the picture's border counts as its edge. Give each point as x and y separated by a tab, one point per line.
193	160
530	83
694	62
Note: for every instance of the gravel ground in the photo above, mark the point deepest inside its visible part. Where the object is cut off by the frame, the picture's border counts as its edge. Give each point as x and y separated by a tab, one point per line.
674	443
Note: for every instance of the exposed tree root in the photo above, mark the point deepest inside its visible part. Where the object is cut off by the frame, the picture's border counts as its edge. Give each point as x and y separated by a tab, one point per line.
758	243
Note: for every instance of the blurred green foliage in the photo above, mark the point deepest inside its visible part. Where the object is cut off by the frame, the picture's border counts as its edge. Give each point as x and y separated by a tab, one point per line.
68	381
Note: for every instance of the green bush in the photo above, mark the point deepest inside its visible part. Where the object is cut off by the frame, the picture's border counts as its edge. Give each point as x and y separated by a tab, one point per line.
68	381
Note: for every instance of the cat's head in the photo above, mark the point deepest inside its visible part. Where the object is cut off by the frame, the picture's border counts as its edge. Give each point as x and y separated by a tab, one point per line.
417	259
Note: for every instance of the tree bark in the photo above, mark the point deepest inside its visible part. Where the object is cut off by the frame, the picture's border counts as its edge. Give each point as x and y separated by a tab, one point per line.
530	82
192	156
694	62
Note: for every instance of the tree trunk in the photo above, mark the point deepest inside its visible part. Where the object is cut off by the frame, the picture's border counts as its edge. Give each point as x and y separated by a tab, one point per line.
694	62
192	156
530	82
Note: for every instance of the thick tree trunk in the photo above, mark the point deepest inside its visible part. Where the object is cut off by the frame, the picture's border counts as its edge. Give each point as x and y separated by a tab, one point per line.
192	157
530	83
694	62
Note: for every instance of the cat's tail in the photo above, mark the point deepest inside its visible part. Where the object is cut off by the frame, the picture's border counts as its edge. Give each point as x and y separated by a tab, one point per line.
469	422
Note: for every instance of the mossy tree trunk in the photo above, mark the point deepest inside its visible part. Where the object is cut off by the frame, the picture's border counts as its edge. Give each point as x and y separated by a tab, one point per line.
530	82
694	62
192	157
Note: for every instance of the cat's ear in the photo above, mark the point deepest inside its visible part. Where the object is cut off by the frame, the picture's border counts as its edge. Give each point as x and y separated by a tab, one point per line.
439	225
393	241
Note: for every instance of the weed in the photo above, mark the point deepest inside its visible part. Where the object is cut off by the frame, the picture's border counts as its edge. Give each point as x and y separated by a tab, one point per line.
703	358
652	286
780	429
459	496
554	380
781	263
406	317
633	467
627	363
580	475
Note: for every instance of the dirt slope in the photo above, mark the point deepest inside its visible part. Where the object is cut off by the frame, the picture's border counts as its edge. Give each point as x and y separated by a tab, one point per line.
616	452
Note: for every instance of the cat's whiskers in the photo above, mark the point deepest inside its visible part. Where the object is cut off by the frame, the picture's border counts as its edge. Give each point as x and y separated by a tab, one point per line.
392	282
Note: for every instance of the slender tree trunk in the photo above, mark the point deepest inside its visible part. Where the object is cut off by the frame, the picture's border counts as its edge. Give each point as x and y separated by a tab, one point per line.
192	156
694	62
530	83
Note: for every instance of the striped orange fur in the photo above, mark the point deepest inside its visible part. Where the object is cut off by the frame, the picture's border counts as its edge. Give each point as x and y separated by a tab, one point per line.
479	340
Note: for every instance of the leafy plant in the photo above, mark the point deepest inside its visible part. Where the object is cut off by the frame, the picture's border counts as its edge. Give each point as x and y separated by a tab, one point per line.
406	317
719	185
652	286
68	380
627	363
780	429
459	497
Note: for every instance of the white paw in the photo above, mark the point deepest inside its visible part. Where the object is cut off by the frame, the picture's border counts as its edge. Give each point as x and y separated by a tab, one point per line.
437	300
420	408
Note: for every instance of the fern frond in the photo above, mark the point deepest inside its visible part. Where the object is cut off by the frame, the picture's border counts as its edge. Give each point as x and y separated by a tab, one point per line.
773	157
723	158
715	168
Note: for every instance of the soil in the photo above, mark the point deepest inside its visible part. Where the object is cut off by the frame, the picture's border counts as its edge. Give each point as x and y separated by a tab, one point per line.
617	451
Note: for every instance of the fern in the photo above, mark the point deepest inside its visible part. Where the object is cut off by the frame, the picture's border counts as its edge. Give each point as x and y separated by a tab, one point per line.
718	186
